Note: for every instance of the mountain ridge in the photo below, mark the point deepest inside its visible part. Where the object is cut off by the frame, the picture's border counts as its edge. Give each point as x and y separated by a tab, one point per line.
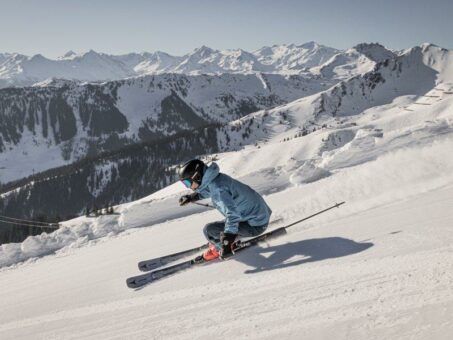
20	70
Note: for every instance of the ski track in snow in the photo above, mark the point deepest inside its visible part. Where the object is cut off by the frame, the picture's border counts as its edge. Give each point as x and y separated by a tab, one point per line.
388	280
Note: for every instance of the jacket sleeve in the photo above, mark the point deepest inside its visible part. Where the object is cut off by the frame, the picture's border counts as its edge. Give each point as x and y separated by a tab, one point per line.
202	194
230	210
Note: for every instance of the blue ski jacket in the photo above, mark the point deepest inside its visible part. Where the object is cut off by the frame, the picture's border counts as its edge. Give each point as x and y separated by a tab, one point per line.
235	200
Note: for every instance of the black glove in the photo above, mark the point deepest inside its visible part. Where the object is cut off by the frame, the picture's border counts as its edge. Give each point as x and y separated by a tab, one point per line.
227	243
183	200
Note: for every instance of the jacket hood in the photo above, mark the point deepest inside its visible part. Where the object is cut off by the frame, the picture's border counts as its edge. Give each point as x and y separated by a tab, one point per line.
210	173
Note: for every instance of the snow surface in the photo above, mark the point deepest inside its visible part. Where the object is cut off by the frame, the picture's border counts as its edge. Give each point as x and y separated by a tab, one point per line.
380	267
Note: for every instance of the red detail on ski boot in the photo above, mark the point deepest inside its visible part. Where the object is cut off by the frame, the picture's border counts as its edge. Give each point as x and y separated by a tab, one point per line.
211	253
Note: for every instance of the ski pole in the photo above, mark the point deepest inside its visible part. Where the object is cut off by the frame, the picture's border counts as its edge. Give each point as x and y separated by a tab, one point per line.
276	232
204	205
337	205
319	212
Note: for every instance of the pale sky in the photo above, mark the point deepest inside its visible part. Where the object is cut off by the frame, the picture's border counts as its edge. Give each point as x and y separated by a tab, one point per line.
52	27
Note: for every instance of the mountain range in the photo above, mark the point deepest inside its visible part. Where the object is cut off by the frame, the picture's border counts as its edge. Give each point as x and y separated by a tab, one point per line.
309	59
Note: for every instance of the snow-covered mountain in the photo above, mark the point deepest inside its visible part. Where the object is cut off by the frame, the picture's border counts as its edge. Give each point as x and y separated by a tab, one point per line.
205	60
357	60
420	77
293	58
70	121
153	63
21	70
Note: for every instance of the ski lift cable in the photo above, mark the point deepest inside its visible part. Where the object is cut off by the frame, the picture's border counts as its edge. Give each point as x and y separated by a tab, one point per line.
29	225
25	221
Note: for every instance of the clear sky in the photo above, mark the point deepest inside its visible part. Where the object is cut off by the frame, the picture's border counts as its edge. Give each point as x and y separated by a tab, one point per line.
52	27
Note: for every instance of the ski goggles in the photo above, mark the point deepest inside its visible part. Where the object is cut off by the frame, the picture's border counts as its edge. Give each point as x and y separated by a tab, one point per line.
187	183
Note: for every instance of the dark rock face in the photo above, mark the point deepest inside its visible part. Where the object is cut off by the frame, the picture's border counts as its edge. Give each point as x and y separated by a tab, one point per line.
62	119
51	114
175	113
98	112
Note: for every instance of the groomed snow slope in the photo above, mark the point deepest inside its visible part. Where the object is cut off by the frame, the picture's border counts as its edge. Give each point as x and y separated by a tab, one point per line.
379	267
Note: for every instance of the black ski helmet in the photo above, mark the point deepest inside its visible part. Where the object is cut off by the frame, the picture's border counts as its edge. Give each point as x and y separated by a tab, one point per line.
192	170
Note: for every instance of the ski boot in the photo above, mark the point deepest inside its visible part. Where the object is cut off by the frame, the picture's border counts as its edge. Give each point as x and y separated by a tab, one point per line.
211	253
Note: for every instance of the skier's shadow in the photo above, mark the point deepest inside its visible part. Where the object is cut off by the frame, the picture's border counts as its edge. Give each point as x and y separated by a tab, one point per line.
310	250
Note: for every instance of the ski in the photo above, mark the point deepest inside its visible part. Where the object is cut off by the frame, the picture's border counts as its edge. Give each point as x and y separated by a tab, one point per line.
137	282
158	262
152	264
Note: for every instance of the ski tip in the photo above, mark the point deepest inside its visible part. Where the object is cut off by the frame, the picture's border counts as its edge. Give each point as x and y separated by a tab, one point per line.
137	282
130	283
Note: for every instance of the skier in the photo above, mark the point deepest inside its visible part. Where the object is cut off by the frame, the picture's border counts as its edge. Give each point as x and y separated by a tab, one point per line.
246	213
